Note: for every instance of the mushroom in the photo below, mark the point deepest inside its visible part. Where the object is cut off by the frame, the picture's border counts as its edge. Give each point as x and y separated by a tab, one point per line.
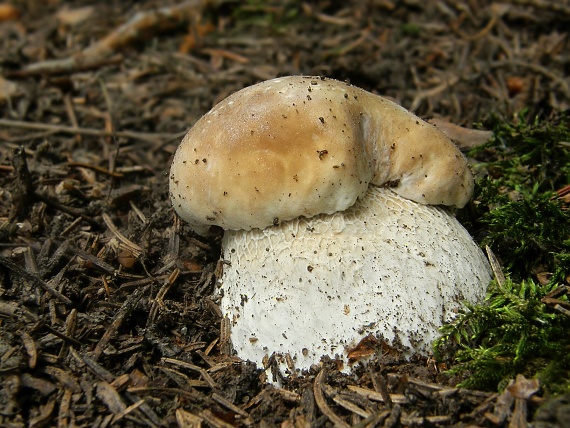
330	197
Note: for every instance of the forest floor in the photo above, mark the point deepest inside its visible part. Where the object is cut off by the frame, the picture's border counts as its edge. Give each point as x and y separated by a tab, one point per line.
108	314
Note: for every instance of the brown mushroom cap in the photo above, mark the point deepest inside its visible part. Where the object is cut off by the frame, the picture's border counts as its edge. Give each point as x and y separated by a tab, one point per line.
301	146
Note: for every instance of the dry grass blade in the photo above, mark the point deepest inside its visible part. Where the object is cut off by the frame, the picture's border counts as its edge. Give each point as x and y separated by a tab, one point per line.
141	136
12	310
225	330
290	396
182	380
394	417
207	378
158	301
377	396
187	420
64	208
229	405
554	6
64	408
127	411
92	365
429	93
64	377
374	420
495	266
70	325
322	404
125	309
41	325
562	310
351	406
31	349
158	391
431	386
108	377
95	168
213	420
380	386
136	249
44	416
106	267
24	187
10	265
112	399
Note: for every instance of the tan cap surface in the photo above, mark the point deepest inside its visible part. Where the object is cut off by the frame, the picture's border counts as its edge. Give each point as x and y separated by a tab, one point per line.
301	146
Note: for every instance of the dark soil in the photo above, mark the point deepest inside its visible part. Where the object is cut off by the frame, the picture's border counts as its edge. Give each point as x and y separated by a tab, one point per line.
107	311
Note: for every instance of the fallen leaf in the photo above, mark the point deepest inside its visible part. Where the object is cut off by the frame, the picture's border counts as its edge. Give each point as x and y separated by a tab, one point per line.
187	420
112	399
464	138
366	347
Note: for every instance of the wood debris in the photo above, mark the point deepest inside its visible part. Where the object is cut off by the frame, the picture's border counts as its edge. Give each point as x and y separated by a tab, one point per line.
108	308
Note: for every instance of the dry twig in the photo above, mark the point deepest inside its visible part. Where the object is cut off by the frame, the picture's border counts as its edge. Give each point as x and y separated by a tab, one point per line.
142	26
10	265
142	136
127	308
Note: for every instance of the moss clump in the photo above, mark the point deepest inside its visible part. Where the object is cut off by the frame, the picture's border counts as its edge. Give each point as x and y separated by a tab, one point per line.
515	209
517	213
528	155
529	235
515	332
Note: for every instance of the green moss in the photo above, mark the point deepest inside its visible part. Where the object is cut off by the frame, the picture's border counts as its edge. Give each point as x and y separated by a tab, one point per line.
515	332
516	212
529	155
515	209
528	234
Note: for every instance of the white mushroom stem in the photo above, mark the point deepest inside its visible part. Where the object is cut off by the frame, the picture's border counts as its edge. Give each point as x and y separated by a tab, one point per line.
313	287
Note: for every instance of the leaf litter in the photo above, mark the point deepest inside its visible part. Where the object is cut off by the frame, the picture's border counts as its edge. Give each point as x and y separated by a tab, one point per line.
108	313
